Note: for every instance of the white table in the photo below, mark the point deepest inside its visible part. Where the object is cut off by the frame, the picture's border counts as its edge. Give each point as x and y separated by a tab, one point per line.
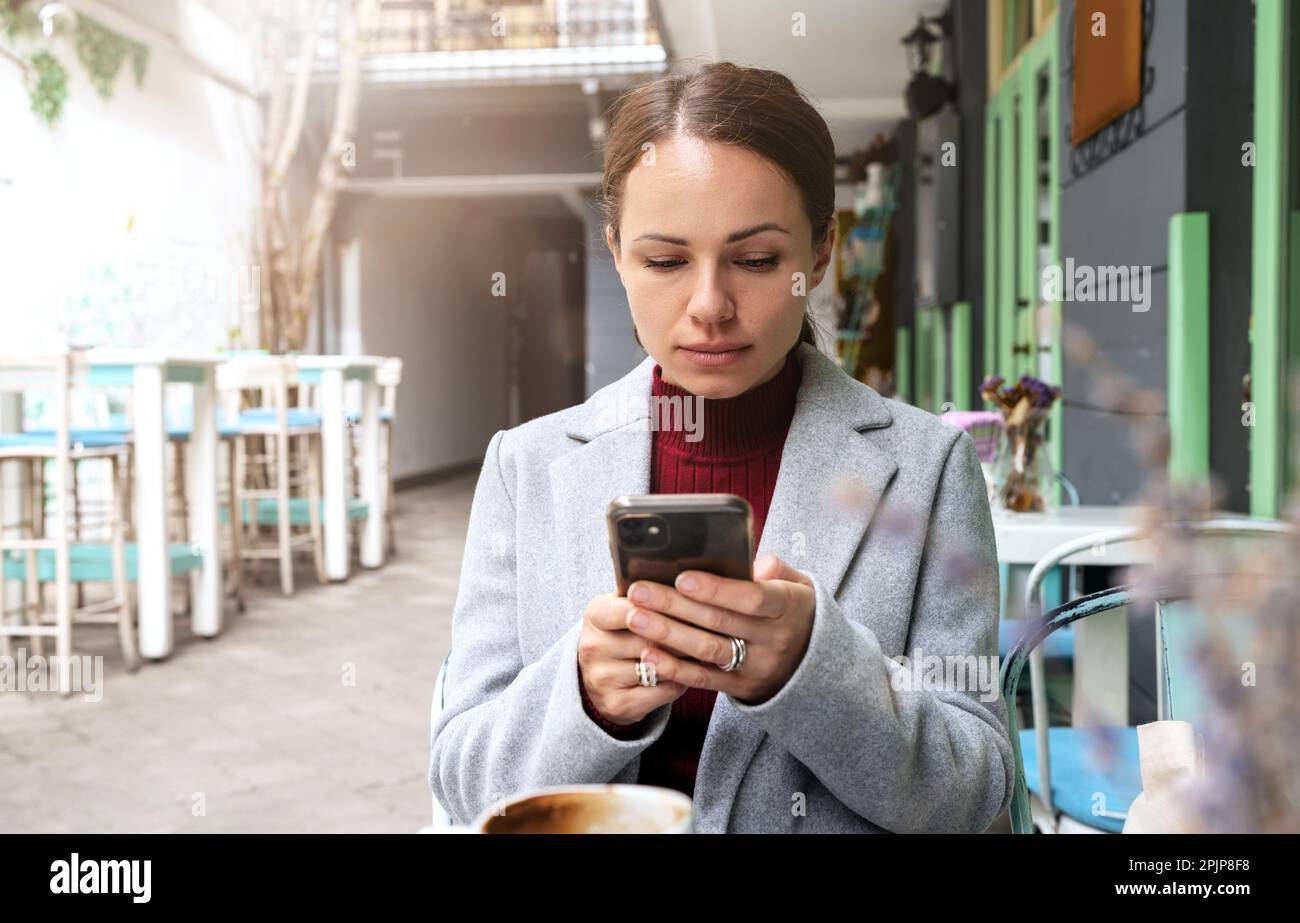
1023	538
147	372
331	372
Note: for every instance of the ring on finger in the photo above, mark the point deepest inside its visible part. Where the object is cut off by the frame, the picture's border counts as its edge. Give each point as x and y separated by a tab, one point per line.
646	675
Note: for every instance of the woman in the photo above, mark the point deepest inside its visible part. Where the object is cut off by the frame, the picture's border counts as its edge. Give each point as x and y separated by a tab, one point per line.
719	194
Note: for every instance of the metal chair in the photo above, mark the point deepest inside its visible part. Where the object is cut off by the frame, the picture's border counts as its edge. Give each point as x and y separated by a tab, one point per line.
441	818
1082	797
1060	646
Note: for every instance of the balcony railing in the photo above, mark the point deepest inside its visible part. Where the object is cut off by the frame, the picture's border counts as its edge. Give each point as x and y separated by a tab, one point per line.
417	26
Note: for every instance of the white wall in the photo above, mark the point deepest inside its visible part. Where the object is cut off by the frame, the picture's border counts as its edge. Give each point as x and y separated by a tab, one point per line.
132	222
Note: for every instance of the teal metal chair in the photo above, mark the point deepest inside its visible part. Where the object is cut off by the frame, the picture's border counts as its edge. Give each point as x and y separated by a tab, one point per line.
1059	645
1085	779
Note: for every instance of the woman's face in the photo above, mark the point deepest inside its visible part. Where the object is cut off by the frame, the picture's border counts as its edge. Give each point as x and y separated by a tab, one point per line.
717	261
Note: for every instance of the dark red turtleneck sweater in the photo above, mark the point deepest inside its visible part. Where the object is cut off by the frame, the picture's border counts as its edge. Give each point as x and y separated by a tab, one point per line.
740	453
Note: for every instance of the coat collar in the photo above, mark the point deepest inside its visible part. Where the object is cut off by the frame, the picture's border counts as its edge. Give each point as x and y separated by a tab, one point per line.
831	478
626	402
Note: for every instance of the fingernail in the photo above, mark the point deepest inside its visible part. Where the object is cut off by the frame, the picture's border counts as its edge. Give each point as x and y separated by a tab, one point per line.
687	582
639	619
639	594
651	658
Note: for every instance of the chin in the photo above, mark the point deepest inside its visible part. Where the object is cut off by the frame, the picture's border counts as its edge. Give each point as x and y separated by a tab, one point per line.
716	385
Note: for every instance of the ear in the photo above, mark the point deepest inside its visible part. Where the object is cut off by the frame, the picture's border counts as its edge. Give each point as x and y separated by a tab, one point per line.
824	253
613	248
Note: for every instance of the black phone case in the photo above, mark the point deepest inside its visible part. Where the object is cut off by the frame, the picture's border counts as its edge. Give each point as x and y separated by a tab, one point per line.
710	532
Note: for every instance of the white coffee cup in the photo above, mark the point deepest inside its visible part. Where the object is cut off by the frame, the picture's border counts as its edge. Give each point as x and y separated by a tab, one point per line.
611	808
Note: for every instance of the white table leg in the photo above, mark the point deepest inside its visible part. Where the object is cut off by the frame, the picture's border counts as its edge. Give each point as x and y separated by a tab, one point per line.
373	491
335	459
153	569
205	583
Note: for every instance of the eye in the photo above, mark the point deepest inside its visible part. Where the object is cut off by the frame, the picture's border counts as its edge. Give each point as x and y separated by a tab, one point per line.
763	263
663	264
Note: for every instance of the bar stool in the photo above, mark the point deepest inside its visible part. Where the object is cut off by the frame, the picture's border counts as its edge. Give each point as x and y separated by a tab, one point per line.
276	425
35	558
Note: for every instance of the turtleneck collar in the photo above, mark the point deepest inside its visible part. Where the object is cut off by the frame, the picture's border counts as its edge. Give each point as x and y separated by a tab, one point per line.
735	427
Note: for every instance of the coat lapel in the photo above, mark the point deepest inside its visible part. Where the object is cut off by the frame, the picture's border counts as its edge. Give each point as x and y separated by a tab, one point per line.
613	459
830	480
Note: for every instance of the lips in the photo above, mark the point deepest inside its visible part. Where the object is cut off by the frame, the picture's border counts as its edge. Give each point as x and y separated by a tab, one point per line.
713	355
721	347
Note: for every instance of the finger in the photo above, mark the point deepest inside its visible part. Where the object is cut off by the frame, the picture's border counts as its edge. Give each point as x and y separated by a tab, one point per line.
619	643
770	567
766	599
646	594
609	613
690	673
680	637
660	694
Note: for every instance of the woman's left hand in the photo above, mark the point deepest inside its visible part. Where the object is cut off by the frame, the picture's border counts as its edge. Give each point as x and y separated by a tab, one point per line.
772	614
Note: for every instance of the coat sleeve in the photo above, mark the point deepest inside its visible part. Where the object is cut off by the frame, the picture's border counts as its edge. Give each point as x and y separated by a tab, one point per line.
911	759
507	726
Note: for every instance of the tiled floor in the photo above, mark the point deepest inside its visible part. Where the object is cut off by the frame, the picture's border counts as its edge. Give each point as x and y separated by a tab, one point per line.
257	730
260	729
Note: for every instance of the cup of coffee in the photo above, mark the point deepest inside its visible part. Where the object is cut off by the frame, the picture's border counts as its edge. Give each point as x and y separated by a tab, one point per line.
612	808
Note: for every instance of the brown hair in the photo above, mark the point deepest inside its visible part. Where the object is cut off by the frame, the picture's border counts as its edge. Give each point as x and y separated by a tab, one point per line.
750	107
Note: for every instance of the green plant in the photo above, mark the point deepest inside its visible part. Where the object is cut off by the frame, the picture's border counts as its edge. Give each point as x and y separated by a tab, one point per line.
47	87
18	21
103	52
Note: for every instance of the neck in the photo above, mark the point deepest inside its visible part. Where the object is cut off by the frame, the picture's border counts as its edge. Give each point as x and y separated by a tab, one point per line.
748	423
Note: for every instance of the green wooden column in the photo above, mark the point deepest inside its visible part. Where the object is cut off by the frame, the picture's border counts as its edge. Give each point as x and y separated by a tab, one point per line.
1189	347
903	364
961	356
938	361
1268	334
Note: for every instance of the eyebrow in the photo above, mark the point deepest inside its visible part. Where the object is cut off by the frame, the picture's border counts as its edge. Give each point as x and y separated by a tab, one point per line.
731	239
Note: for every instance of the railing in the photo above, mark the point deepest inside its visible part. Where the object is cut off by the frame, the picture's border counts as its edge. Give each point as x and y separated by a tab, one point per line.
416	26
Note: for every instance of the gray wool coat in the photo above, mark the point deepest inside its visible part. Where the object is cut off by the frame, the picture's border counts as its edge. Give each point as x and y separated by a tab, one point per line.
886	509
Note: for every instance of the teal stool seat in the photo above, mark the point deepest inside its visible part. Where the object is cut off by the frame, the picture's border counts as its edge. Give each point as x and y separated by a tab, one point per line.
385	415
1059	644
92	562
1087	761
183	426
263	417
89	438
299	511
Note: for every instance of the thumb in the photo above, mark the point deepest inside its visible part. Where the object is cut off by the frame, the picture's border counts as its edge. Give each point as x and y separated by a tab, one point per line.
770	567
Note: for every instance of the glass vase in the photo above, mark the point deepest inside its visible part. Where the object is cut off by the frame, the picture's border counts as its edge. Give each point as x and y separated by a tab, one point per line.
1023	478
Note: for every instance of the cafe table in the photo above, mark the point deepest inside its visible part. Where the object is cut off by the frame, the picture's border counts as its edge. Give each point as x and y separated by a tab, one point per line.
330	373
147	373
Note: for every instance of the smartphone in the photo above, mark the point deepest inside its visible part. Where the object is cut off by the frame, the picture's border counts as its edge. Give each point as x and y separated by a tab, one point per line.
657	536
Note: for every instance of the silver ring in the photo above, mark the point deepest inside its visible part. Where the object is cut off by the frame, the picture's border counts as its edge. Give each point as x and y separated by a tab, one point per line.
737	655
646	675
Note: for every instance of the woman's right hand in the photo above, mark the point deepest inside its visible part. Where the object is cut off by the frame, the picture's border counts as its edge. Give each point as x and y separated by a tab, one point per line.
608	652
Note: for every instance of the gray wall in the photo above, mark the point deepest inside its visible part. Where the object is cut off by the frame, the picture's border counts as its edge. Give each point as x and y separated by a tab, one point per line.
611	347
1117	213
1182	154
1220	94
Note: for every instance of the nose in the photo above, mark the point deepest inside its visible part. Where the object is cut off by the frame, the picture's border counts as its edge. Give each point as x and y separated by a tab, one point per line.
710	302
